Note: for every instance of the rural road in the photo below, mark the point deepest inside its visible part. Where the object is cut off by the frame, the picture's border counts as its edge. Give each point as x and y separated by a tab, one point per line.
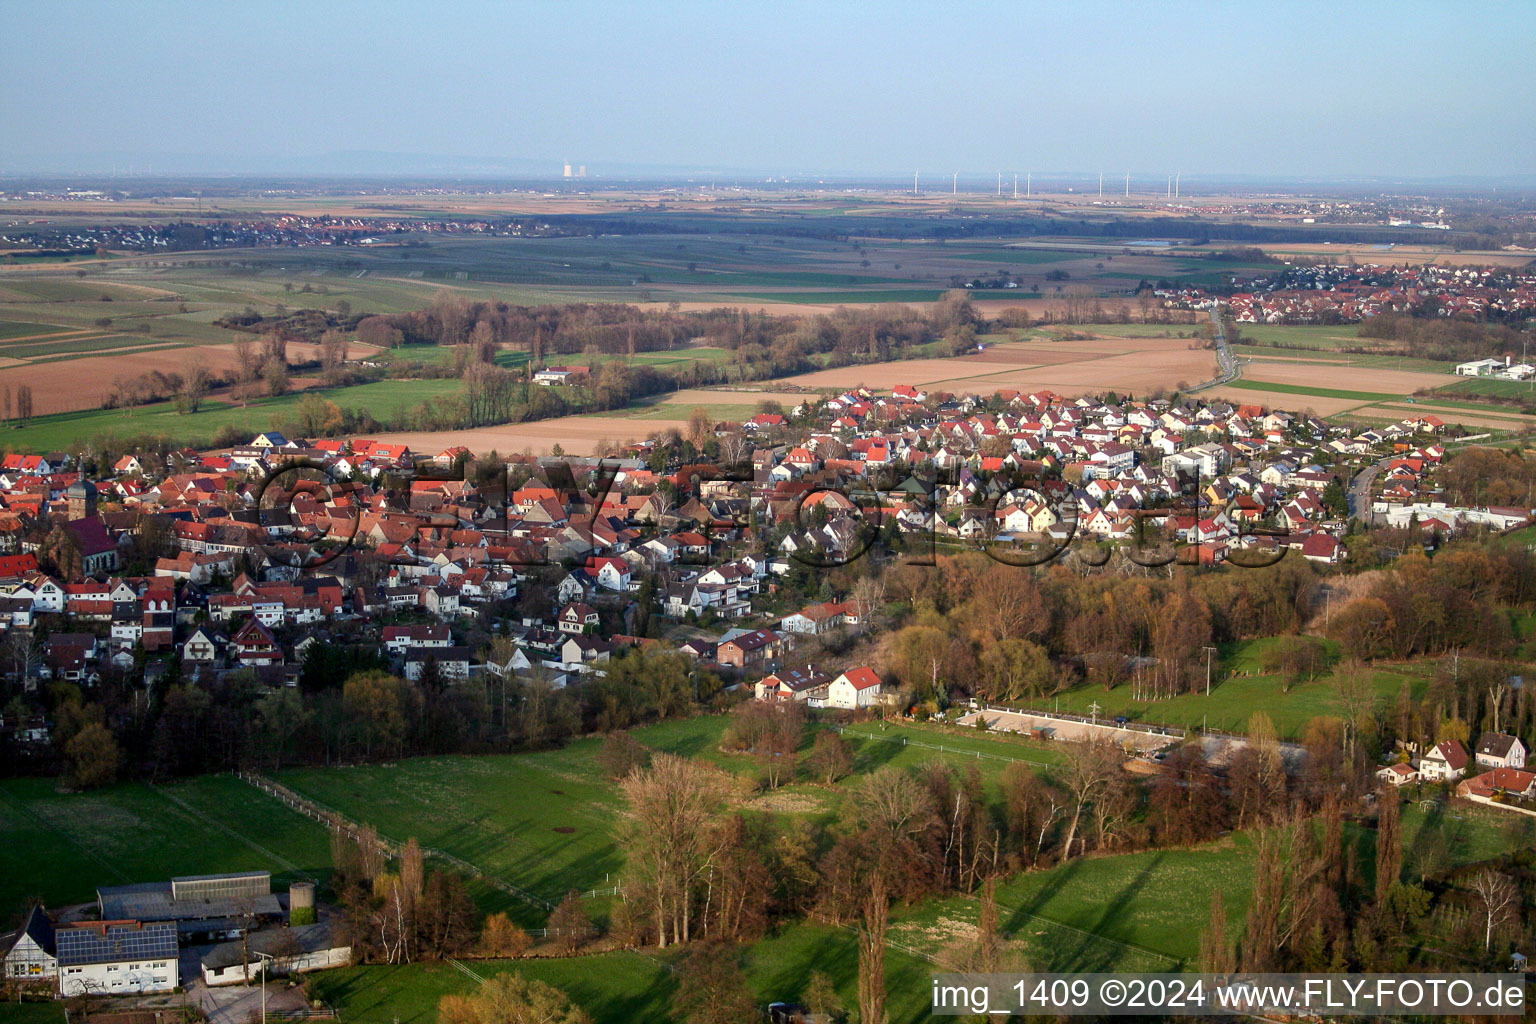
1225	360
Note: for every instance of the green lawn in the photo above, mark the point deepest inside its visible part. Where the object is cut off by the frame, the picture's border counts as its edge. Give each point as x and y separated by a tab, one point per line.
61	847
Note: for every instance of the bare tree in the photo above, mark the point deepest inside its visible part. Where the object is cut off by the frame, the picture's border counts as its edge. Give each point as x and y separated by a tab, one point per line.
1499	898
1090	770
672	836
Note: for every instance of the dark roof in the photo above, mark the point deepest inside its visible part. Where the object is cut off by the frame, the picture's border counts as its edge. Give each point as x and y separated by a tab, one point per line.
752	641
114	942
38	927
1495	744
311	938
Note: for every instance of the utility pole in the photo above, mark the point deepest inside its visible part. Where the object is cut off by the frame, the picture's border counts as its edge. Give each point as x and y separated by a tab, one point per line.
1208	652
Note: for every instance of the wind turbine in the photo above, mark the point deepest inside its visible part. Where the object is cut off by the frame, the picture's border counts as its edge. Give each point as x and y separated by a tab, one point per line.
1029	184
914	183
954	186
1101	184
999	184
1015	184
1176	185
1127	184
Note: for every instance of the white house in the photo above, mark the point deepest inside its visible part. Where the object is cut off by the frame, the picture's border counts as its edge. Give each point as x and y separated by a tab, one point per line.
117	958
1498	750
856	688
32	953
1445	763
1397	775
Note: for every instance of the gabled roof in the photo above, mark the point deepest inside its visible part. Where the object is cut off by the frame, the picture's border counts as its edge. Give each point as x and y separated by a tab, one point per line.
861	678
1451	752
1495	744
37	927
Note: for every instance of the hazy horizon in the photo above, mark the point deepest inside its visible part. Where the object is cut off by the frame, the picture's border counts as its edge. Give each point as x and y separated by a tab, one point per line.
1309	92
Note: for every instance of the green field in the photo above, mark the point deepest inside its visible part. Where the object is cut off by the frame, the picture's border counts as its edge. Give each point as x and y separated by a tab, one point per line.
60	847
23	329
385	399
1240	689
1522	389
1334	337
833	298
620	988
1299	389
1321	357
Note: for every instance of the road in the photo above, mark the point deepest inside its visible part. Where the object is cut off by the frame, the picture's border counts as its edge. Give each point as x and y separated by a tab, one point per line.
1230	368
1359	494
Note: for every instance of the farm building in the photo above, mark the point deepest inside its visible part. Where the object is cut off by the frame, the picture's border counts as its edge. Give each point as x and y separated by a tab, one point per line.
202	907
1479	368
117	958
311	947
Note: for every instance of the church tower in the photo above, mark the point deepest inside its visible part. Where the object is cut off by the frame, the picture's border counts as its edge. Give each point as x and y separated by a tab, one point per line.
81	497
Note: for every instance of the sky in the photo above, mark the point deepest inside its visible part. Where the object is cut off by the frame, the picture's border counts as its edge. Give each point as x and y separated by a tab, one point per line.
1397	90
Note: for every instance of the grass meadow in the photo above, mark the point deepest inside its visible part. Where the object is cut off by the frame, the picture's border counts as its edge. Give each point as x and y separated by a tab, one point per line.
544	821
60	847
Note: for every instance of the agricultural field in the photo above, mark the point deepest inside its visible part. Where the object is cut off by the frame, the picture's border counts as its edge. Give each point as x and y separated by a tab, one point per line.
60	431
60	847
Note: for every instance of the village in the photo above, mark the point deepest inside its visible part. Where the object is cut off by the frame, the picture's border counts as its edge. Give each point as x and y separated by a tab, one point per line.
257	560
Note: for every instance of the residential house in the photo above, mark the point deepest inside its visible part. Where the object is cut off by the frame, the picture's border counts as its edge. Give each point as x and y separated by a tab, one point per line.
398	638
1447	762
117	958
1397	775
747	651
801	684
30	953
1498	750
856	688
576	619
